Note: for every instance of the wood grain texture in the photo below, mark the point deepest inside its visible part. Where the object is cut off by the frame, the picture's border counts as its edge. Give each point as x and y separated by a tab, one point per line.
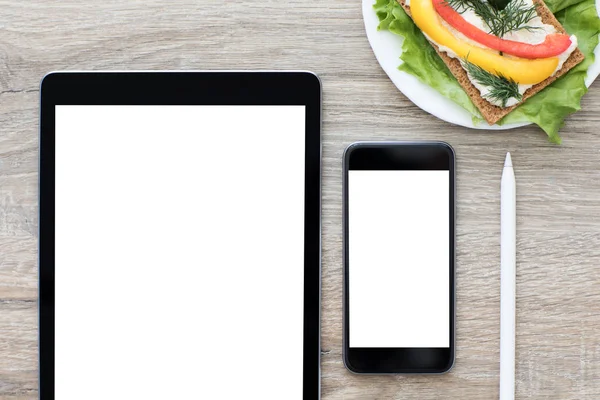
558	283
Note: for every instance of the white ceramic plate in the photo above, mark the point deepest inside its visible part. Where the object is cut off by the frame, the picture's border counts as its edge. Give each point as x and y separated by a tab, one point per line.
388	48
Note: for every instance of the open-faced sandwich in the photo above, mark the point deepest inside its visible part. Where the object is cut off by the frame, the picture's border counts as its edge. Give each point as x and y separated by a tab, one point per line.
501	52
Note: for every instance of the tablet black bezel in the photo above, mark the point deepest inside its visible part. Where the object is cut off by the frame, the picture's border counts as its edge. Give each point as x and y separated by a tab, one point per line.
183	88
399	156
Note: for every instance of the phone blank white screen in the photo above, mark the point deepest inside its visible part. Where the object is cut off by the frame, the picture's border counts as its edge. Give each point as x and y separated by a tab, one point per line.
179	270
399	258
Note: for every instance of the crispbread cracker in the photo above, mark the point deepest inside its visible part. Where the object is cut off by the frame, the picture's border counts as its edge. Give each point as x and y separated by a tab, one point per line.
490	112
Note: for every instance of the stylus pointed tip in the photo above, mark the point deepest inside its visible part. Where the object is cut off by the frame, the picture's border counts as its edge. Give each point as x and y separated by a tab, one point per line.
508	161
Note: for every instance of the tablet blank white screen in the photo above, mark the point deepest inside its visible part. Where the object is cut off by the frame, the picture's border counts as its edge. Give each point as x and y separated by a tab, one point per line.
399	252
179	252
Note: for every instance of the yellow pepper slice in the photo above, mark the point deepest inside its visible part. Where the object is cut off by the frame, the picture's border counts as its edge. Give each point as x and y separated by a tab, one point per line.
524	71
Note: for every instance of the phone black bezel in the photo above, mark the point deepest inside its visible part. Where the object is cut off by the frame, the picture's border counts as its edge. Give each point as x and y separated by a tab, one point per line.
399	156
183	88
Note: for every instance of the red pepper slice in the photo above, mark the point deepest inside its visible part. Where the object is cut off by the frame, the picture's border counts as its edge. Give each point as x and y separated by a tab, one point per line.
553	45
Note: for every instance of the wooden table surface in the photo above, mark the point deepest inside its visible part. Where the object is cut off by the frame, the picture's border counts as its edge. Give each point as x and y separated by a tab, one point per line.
558	283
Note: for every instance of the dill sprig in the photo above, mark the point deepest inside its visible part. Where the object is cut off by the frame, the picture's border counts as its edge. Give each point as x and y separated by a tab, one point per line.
501	88
514	16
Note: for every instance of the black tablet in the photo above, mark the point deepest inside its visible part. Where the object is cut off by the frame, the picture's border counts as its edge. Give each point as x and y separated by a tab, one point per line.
180	235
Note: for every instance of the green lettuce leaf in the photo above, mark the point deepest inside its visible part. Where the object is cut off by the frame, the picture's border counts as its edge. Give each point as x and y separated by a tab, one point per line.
548	109
557	5
419	58
551	106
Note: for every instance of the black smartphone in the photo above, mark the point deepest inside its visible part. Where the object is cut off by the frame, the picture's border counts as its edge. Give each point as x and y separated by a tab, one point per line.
399	246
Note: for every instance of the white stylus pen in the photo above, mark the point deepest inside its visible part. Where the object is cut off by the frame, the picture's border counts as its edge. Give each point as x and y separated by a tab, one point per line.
508	249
